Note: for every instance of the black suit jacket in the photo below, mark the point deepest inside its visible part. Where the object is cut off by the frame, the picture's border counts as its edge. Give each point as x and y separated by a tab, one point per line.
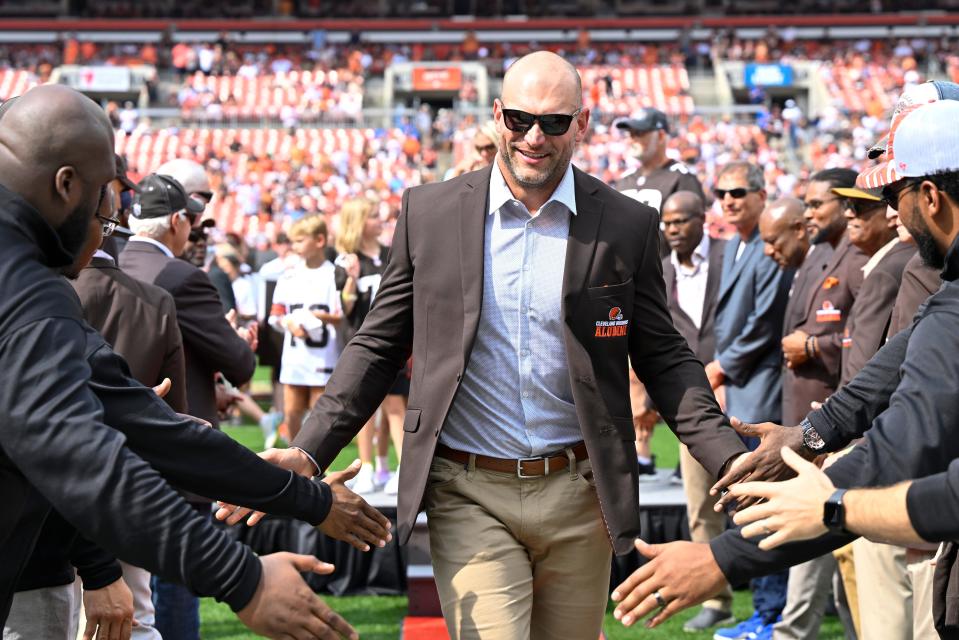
209	342
701	340
429	304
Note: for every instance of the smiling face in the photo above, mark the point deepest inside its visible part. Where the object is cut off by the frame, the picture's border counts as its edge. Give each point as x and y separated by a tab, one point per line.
534	163
823	213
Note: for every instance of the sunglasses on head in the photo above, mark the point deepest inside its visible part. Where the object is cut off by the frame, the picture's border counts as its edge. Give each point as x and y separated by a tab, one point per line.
551	124
737	193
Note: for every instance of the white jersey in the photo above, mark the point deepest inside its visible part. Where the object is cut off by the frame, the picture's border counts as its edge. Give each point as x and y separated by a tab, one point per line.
300	291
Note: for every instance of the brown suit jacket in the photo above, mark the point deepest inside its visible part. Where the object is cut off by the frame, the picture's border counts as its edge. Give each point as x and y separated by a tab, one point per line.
429	305
139	322
918	283
833	284
701	340
870	314
209	342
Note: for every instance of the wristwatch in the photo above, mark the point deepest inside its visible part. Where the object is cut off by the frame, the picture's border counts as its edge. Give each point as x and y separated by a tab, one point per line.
811	438
833	513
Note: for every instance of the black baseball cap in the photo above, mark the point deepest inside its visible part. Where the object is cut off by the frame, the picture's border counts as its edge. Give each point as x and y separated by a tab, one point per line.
160	196
122	174
647	119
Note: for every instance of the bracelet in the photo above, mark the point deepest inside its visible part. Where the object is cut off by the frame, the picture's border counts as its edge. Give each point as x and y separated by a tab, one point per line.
809	347
349	297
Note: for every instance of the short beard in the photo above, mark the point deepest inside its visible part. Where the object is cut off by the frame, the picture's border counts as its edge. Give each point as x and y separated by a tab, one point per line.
537	182
929	252
74	230
826	233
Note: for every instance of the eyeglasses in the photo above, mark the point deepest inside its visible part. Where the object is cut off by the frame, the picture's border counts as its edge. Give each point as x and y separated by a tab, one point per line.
816	204
865	209
551	124
109	225
203	196
737	193
891	196
190	216
488	148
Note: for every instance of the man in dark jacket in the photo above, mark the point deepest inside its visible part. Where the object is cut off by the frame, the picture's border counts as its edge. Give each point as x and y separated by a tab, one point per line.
56	447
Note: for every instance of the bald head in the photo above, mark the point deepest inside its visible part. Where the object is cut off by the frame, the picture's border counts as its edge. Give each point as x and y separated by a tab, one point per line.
56	151
783	230
543	73
682	222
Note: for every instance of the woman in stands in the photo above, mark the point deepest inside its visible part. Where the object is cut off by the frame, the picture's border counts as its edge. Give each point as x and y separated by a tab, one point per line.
485	142
364	259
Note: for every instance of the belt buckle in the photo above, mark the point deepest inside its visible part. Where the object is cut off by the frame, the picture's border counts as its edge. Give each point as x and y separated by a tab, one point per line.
519	466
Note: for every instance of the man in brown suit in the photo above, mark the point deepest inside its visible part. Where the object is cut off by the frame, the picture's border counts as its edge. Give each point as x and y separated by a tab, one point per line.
521	290
823	292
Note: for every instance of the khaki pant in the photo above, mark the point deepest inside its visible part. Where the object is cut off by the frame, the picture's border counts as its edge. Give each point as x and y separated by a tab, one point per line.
920	569
806	599
847	569
704	523
518	558
885	595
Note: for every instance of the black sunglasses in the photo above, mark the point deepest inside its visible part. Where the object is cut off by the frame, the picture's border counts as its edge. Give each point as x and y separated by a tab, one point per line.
552	124
891	196
738	192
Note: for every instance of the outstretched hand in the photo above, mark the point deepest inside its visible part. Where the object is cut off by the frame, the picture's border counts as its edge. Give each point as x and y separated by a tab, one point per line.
681	574
792	511
763	464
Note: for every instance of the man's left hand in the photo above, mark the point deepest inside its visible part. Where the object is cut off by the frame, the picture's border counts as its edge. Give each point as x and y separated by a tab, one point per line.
794	349
682	573
793	509
109	612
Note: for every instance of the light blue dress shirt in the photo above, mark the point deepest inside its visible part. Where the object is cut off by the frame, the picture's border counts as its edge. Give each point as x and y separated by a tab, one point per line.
515	399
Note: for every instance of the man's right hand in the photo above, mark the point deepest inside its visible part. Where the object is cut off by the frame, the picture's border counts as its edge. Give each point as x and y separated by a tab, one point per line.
351	518
284	606
763	464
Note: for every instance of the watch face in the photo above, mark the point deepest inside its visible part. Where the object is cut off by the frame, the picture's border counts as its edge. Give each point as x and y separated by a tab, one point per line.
812	439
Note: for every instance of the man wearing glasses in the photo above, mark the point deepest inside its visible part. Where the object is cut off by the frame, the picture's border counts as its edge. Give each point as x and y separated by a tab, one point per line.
162	218
522	290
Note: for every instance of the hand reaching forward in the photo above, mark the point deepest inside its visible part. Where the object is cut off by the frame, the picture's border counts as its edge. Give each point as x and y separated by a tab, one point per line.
351	519
285	607
765	463
792	511
677	576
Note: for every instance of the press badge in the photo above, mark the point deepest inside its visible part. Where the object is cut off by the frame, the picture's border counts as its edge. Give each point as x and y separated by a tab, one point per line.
828	313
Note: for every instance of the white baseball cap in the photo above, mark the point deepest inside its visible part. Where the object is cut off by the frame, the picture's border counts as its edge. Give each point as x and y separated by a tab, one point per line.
923	140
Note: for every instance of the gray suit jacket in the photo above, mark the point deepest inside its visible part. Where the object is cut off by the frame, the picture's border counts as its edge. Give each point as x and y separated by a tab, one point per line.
749	321
209	342
429	304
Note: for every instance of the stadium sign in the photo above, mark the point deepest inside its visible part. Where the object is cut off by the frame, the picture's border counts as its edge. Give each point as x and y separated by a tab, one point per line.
768	75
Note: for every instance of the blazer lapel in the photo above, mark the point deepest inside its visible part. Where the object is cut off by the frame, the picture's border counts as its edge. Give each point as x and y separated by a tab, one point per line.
732	267
583	227
473	206
717	264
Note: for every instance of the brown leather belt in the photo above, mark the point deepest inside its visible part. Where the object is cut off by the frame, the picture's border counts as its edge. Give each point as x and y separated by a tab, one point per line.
522	467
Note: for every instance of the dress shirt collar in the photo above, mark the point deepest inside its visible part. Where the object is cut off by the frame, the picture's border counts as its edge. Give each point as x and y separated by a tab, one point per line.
499	193
877	257
162	247
700	255
100	253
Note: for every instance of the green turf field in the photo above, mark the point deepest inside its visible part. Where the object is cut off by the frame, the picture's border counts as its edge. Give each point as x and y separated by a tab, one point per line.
379	618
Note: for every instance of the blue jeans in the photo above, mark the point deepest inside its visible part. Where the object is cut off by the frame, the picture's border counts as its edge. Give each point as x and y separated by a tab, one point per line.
177	609
769	595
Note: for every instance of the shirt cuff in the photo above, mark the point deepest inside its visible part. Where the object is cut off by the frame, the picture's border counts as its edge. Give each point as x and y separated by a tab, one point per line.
929	503
316	467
